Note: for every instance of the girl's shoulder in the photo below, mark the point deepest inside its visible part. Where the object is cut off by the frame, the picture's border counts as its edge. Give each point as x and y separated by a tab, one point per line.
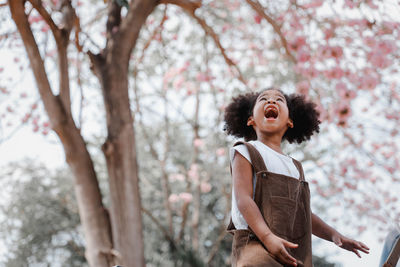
242	149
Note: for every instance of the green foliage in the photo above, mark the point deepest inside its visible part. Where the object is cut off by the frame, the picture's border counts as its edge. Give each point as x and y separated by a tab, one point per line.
41	225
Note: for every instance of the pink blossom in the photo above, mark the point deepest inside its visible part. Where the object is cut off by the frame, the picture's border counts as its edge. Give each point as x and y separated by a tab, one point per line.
45	131
297	43
335	73
329	33
341	88
26	117
198	142
34	19
205	187
370	41
368	81
186	197
314	4
376	146
388	155
350	185
193	173
46	124
344	92
378	59
388	27
303	55
178	82
34	106
372	5
220	151
349	3
387	46
295	22
311	72
1	69
343	111
352	77
226	27
45	28
202	77
173	198
303	87
336	52
257	19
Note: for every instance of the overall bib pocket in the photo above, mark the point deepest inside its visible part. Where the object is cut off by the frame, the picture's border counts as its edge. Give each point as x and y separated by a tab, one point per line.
283	220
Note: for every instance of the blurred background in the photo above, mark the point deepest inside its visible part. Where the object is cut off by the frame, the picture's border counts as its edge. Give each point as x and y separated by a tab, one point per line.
189	59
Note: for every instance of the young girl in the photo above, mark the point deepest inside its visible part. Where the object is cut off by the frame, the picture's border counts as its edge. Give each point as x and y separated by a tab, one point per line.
271	218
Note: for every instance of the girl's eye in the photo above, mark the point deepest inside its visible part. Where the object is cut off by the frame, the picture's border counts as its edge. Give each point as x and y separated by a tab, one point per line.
263	98
280	99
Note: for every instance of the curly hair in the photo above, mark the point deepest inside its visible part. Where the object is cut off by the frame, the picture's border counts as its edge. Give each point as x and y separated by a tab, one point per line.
302	112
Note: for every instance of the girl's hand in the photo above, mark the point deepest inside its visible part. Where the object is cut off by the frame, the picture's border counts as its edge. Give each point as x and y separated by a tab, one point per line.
349	244
277	247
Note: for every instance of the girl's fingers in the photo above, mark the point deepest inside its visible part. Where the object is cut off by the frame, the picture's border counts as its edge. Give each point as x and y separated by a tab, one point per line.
287	258
364	246
356	252
290	244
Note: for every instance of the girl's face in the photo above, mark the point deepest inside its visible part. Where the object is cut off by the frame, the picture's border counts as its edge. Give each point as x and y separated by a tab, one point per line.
270	114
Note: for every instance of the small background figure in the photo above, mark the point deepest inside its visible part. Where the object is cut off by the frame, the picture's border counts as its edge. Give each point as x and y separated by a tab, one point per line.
391	250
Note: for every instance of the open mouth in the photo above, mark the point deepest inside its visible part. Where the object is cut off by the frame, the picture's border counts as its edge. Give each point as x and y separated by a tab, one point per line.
271	112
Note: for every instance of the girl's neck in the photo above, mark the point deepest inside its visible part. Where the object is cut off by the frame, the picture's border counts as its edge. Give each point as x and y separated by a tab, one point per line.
274	142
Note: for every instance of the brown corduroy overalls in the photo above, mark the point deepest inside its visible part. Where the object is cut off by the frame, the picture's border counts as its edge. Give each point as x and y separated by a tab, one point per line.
284	203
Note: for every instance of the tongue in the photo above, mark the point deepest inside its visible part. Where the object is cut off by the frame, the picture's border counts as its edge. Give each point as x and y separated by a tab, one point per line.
271	114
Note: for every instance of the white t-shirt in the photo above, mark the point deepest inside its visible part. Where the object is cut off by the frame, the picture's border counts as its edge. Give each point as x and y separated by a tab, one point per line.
274	161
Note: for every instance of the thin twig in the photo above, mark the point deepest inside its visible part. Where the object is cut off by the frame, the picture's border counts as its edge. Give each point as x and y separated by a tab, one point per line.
277	28
191	7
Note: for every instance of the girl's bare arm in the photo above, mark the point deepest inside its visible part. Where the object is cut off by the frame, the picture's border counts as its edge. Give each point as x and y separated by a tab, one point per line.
323	230
242	175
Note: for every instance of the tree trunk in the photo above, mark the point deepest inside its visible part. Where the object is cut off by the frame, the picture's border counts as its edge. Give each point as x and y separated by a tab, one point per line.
93	216
120	154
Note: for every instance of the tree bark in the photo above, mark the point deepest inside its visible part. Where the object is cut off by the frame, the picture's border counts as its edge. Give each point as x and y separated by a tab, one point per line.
120	154
111	68
93	216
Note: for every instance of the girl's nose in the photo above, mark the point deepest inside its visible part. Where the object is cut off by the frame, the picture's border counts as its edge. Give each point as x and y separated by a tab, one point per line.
271	101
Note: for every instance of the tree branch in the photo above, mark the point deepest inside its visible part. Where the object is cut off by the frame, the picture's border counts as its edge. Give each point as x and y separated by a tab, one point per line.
130	27
37	4
163	230
190	7
261	11
113	20
61	36
50	101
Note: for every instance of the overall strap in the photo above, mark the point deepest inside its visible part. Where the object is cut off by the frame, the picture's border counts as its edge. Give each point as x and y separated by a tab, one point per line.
256	159
299	168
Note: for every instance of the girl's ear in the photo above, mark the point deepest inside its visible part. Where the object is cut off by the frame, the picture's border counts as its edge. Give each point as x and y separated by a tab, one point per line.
290	123
250	121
